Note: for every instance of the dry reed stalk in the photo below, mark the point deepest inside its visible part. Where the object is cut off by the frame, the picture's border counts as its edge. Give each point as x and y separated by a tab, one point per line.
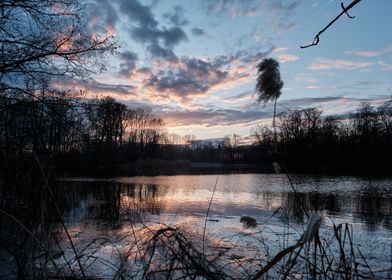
58	212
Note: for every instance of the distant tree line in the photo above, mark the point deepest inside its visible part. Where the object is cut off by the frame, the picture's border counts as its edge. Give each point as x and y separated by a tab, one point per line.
53	123
355	143
77	133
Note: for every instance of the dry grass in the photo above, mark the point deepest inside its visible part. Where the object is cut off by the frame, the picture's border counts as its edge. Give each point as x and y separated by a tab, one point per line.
166	252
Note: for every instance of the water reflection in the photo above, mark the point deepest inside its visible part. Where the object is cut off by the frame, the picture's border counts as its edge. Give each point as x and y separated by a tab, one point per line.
108	201
100	209
139	199
255	195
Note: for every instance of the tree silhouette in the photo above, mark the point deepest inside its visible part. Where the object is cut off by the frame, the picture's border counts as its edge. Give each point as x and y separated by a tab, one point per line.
43	42
41	39
269	84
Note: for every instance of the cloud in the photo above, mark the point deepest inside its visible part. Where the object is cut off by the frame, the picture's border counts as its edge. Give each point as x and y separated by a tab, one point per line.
102	15
233	8
145	29
278	11
278	50
365	53
209	118
308	101
280	6
314	87
371	53
104	89
240	97
192	76
287	58
385	66
324	64
138	13
170	36
165	53
257	36
246	116
176	17
128	64
305	77
330	105
360	84
197	31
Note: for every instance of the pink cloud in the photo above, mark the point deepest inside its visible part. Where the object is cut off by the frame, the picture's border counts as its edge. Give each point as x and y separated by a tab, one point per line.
287	58
324	64
280	49
365	53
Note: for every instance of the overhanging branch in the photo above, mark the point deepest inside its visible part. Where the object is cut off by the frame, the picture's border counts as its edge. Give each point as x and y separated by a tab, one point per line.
316	39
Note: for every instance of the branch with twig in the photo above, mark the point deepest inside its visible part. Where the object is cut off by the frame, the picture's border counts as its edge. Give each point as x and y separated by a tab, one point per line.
316	39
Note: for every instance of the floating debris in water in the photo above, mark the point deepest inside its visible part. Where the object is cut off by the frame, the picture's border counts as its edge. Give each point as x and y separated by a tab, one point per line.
248	222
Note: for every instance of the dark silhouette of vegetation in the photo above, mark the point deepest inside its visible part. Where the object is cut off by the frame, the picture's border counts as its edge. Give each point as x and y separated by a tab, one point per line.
43	39
269	84
75	135
356	143
66	128
43	42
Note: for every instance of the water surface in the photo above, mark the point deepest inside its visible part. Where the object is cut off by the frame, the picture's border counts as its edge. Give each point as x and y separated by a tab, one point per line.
364	202
108	219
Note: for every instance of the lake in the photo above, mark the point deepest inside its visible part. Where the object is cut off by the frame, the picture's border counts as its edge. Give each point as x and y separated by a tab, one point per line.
366	203
109	214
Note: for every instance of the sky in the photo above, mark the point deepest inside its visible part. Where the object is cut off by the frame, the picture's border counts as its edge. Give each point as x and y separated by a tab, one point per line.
194	62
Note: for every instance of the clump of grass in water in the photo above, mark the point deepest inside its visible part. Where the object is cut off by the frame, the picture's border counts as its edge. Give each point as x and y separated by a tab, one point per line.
248	222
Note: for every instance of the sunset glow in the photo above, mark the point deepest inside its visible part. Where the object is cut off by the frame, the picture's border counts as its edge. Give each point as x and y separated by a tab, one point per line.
194	62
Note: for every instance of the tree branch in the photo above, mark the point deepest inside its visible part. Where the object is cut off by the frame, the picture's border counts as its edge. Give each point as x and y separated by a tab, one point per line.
316	39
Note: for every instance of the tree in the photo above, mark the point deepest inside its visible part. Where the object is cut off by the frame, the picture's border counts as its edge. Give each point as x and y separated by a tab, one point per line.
269	84
188	139
385	112
262	134
108	121
42	39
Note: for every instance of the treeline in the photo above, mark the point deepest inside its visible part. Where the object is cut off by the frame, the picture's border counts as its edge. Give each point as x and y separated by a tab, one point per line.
356	143
65	126
73	134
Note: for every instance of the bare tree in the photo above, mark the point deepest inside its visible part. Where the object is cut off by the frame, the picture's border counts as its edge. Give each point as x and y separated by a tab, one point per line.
40	39
107	121
262	134
188	139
